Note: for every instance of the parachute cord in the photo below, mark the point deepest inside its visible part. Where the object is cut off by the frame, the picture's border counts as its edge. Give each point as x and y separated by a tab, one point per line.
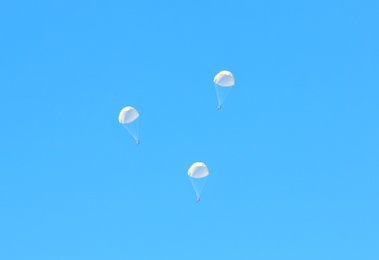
131	132
222	98
198	185
218	95
137	125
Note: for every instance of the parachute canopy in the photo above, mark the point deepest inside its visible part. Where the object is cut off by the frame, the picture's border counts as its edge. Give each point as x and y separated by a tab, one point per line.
128	118
224	79
198	170
127	115
198	173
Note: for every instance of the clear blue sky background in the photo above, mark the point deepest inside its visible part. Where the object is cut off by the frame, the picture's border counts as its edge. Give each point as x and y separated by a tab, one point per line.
293	154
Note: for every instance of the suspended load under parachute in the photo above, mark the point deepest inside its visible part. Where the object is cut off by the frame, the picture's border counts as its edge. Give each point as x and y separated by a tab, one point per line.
128	117
224	81
197	174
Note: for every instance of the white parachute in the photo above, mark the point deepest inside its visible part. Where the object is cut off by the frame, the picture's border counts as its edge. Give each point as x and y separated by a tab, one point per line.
129	119
224	81
197	174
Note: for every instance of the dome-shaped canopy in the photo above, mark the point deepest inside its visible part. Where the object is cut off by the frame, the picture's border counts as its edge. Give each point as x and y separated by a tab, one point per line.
198	170
224	79
128	115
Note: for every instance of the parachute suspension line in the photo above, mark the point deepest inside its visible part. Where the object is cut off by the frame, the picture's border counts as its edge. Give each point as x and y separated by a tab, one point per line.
198	184
130	132
194	187
132	128
218	95
222	93
202	183
137	125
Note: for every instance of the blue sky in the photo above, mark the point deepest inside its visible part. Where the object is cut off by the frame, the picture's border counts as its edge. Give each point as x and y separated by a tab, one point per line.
293	153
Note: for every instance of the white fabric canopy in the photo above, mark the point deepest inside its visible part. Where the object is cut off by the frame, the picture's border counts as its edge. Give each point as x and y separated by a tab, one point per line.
224	79
127	115
198	170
